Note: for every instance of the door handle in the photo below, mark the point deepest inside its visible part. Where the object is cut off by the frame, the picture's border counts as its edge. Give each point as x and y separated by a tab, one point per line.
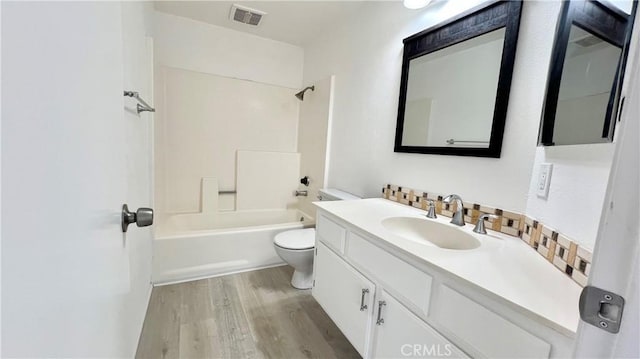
363	306
142	217
381	304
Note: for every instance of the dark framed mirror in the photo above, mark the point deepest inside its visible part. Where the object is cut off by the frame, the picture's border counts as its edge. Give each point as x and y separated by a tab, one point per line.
455	83
585	74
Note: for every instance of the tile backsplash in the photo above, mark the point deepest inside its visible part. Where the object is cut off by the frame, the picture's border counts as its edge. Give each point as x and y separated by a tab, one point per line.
559	250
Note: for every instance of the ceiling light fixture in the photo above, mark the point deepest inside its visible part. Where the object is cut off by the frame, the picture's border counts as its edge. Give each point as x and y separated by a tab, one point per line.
415	4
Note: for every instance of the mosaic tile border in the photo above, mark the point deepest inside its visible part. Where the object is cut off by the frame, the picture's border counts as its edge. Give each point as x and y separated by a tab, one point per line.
559	250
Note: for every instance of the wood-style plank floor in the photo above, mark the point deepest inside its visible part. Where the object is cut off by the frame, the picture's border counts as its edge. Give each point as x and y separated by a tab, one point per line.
247	315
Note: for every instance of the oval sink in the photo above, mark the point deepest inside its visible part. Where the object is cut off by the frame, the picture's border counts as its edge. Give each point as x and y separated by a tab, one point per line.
438	234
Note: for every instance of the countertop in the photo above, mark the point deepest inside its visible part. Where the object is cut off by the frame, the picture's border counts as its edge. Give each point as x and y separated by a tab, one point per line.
503	265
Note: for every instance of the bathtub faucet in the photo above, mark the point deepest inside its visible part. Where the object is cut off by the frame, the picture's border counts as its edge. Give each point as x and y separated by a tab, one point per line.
301	193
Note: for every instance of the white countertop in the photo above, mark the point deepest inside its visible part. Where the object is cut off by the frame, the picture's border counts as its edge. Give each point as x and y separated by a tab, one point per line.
503	265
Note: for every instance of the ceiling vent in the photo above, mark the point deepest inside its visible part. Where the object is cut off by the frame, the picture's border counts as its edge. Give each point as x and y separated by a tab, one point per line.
588	41
246	15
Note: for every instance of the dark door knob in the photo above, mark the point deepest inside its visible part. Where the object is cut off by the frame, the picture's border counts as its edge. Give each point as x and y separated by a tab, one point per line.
142	217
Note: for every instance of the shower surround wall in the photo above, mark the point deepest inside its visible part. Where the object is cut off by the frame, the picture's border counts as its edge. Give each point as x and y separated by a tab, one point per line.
314	138
219	91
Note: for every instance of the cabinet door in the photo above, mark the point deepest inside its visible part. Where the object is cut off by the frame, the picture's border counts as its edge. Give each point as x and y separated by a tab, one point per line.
339	290
401	334
484	330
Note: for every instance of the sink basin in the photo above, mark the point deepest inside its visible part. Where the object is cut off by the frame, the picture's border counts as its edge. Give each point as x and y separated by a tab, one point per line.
435	233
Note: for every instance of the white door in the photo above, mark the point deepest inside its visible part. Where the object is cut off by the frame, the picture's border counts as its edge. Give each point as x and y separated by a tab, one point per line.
400	333
616	259
339	290
72	284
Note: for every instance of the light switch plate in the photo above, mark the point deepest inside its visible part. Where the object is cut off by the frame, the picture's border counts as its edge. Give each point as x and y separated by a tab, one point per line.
544	180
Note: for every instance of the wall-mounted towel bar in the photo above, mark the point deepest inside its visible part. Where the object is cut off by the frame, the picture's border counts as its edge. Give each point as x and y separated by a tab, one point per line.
143	105
451	141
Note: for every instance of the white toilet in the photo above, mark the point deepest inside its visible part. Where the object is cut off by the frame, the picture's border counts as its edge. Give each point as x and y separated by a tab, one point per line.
296	246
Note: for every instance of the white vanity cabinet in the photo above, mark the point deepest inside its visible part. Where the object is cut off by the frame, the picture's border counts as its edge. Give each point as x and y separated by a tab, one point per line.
389	307
399	333
345	294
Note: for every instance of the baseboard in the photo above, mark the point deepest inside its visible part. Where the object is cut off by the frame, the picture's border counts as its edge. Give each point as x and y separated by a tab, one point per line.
194	278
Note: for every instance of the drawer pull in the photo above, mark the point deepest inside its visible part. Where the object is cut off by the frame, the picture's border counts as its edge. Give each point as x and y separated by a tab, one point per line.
363	306
381	304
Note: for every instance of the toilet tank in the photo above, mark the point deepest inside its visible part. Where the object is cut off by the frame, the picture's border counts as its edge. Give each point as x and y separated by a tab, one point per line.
332	194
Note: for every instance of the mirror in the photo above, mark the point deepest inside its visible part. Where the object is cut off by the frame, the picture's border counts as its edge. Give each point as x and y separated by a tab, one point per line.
585	75
433	114
455	84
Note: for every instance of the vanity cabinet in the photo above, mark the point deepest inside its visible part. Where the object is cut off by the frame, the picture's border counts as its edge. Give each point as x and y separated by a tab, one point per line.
399	333
389	307
406	282
345	294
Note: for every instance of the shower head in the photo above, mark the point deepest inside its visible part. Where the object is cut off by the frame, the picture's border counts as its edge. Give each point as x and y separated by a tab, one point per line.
300	95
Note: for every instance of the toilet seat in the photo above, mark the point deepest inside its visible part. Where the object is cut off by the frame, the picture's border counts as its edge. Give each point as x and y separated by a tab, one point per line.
297	239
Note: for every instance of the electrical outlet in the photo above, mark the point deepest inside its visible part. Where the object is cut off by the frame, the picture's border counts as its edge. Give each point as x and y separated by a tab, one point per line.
544	180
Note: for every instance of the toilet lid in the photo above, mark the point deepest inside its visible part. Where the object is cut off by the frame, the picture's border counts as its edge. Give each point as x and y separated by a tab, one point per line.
296	239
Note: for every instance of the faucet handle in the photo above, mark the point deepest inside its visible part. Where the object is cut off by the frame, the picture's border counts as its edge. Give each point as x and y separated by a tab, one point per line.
480	225
432	209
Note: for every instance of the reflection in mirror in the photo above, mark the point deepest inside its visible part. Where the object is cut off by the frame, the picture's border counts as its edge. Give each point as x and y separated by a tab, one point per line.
455	83
588	73
585	74
451	94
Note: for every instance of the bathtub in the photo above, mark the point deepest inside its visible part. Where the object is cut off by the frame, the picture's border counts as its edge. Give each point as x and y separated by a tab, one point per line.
199	245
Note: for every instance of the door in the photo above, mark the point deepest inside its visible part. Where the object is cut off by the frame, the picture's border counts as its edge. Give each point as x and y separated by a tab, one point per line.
72	153
399	333
345	295
616	259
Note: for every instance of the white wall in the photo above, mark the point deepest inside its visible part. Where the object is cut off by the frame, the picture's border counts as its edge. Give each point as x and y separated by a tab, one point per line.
218	91
366	56
196	46
578	183
72	154
580	172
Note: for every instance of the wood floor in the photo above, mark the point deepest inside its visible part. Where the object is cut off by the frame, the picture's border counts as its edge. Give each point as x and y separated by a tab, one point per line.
247	315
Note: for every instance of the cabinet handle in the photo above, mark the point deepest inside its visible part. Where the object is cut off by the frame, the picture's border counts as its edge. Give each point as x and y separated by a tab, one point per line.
363	306
381	304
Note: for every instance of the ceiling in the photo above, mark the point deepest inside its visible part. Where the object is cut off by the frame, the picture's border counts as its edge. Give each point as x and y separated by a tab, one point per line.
294	22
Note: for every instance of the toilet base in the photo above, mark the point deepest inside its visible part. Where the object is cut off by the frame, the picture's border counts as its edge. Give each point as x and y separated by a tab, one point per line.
302	280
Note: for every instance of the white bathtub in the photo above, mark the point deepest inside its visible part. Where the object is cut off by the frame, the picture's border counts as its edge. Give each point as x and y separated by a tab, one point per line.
192	246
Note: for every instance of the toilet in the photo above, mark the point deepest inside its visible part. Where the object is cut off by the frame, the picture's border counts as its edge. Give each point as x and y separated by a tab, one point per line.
296	246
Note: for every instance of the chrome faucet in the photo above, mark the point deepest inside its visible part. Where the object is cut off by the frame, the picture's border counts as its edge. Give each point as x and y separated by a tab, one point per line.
432	209
301	193
480	225
458	216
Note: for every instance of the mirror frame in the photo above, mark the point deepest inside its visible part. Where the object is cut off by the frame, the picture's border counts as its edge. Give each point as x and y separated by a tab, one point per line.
610	24
473	23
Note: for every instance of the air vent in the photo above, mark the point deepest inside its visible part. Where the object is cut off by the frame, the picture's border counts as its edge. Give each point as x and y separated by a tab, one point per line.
588	41
246	15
